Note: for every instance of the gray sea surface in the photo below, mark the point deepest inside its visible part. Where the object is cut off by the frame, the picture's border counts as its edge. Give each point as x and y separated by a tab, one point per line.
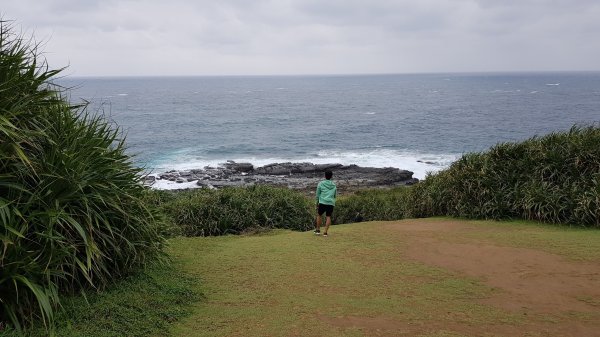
419	122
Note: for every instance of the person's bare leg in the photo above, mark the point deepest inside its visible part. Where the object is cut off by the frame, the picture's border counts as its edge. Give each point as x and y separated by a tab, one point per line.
327	223
318	223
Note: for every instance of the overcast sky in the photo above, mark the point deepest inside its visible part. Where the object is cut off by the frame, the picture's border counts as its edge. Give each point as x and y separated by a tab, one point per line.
265	37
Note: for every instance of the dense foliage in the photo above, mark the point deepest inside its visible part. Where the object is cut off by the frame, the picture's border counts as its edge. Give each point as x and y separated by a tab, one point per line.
139	305
554	178
204	212
71	213
376	204
142	304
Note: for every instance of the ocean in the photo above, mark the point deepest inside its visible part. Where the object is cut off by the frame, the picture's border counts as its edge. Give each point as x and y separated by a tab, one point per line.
417	122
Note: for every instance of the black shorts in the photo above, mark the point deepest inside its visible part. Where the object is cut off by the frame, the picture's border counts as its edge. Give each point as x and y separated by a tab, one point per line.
327	209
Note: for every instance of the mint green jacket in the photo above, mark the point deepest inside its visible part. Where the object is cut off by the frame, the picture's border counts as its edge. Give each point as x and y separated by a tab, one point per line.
326	192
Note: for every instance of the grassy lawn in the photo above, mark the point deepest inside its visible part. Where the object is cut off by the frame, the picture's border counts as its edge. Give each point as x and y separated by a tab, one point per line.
578	244
362	280
358	282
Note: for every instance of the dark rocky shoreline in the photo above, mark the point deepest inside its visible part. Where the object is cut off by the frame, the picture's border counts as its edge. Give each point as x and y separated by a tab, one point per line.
298	176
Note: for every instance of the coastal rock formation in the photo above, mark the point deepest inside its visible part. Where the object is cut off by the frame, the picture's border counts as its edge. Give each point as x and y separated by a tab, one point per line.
300	176
295	168
238	167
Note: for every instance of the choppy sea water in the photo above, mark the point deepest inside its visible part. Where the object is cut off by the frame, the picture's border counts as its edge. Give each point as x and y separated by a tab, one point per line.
416	122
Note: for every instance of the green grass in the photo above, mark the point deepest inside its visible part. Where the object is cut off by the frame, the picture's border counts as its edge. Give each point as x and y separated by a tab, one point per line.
357	282
575	243
142	305
290	283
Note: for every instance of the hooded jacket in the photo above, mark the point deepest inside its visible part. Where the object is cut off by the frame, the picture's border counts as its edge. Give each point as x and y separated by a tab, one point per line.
326	192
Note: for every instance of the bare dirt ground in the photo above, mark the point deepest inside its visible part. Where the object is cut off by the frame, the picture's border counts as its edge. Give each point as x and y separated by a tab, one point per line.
535	283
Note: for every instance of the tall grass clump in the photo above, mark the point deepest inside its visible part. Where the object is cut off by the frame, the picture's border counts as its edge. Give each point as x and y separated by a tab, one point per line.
71	213
204	212
554	178
371	205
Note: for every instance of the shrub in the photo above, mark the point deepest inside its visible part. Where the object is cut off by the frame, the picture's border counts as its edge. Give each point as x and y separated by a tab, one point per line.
554	178
142	304
204	212
370	205
71	210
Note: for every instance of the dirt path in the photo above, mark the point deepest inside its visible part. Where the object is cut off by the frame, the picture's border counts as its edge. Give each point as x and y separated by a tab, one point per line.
530	281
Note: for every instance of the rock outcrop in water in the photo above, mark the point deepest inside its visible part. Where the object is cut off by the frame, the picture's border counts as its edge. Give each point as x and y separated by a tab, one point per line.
299	176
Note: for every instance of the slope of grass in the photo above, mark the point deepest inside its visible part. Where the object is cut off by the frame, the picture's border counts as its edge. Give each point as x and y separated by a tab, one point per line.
357	282
575	243
141	305
296	284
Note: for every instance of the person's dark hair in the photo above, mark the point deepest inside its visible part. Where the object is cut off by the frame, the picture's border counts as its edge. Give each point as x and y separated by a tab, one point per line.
328	174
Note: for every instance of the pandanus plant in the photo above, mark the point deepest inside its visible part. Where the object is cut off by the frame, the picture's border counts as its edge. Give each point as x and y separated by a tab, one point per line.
71	210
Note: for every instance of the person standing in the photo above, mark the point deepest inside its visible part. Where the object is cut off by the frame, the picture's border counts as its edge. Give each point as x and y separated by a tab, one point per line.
326	194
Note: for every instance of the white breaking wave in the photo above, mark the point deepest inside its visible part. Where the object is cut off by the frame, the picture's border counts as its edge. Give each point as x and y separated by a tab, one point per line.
171	185
419	163
552	83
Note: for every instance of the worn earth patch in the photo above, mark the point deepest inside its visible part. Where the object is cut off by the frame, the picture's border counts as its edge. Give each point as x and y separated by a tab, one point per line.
538	284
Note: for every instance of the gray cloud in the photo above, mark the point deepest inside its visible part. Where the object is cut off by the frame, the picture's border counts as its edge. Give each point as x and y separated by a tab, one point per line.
187	37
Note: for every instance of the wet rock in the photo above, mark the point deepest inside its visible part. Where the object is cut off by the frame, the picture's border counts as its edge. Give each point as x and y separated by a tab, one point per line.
149	180
239	167
300	176
274	169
